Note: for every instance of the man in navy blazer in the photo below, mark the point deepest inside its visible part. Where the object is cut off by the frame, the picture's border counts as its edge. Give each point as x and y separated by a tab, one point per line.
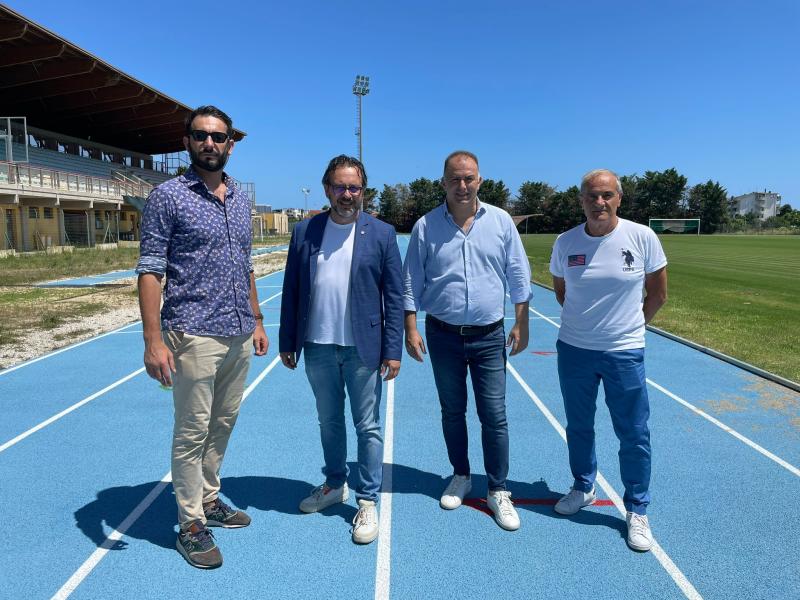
343	306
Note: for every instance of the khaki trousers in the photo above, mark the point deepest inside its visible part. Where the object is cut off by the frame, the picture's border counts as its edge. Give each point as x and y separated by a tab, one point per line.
207	392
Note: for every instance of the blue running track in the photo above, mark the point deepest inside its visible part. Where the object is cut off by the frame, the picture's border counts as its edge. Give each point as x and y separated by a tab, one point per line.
91	280
84	482
111	277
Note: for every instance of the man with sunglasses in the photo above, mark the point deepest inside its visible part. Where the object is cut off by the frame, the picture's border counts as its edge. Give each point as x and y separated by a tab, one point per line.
342	305
196	231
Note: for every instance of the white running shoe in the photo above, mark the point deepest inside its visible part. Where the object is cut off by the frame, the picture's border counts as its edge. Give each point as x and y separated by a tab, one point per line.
365	523
639	535
323	496
453	495
505	514
574	501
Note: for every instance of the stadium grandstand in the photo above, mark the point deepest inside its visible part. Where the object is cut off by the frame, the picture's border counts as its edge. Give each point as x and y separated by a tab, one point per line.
81	142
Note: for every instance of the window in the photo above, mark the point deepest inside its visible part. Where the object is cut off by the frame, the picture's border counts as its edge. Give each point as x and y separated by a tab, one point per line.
33	212
48	212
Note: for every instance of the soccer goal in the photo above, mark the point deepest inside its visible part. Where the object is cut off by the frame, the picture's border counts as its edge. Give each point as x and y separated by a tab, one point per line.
691	226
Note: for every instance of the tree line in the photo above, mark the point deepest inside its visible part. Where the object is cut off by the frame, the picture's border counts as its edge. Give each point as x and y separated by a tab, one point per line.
656	194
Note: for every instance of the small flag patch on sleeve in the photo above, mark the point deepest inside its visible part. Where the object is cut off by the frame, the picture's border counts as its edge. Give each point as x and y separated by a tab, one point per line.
576	260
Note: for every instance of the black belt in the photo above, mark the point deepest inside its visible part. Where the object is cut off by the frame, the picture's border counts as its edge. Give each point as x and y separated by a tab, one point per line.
464	329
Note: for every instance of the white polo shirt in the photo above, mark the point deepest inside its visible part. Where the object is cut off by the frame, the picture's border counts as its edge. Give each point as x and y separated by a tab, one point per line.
604	279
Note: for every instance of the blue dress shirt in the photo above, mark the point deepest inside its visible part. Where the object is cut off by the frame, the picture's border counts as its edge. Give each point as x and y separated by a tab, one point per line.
461	278
203	247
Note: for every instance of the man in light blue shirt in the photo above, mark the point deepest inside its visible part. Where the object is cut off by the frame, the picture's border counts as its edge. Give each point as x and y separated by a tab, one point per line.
462	258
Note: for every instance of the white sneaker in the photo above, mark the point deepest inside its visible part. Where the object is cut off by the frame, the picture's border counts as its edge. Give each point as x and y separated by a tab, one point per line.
453	495
323	496
365	523
639	535
574	501
504	512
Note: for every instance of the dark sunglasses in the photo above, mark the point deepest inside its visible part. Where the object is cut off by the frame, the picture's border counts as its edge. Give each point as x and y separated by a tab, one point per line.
340	189
198	135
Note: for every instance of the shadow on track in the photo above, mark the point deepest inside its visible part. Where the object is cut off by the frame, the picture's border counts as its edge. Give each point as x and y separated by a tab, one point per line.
158	523
409	480
113	505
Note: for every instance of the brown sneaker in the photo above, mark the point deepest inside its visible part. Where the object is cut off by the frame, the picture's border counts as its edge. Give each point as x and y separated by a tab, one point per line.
197	546
220	514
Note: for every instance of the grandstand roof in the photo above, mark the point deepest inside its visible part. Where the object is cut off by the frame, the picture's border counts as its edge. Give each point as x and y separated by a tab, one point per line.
59	86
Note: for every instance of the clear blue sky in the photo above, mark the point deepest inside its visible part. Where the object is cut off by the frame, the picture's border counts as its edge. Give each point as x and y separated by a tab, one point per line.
540	90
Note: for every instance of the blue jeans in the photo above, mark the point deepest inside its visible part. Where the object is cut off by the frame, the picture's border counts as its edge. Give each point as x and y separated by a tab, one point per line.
622	372
452	355
331	368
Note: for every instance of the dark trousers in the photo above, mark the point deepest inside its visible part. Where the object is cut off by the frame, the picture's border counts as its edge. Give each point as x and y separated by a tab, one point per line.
484	356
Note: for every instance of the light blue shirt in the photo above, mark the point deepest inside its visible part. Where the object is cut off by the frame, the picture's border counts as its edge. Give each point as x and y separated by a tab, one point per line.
462	278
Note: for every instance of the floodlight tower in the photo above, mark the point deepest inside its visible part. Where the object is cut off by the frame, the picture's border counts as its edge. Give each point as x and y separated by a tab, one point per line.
360	89
306	192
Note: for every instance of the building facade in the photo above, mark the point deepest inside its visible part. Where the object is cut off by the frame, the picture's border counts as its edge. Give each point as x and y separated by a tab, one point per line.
764	204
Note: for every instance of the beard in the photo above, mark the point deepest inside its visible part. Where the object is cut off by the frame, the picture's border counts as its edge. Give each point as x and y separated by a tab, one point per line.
209	162
346	212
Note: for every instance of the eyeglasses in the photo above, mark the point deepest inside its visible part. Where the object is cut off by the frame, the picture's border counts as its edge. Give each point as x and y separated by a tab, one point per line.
198	135
341	189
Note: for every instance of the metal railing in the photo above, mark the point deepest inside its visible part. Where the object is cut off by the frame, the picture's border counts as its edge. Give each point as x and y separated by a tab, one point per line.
171	162
61	181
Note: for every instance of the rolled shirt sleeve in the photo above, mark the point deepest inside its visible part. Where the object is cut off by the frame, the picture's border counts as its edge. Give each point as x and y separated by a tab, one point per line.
414	269
157	224
518	269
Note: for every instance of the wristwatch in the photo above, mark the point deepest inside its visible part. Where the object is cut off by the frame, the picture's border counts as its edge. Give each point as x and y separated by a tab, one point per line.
259	316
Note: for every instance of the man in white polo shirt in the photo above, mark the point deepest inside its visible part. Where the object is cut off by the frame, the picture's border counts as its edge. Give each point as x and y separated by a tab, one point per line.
610	278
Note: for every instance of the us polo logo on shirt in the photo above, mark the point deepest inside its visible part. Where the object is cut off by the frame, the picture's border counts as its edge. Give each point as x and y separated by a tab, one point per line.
627	257
576	260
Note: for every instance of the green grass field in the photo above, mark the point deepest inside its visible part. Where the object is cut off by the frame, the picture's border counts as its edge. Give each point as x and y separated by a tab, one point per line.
739	295
27	269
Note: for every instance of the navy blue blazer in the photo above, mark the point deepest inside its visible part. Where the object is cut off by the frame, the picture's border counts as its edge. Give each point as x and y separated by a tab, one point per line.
376	288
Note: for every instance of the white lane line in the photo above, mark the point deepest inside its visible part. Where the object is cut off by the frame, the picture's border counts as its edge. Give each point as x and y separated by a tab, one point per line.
96	556
90	563
541	316
789	467
260	304
669	566
92	339
260	377
532	318
77	405
383	566
763	451
270	298
64	349
66	411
